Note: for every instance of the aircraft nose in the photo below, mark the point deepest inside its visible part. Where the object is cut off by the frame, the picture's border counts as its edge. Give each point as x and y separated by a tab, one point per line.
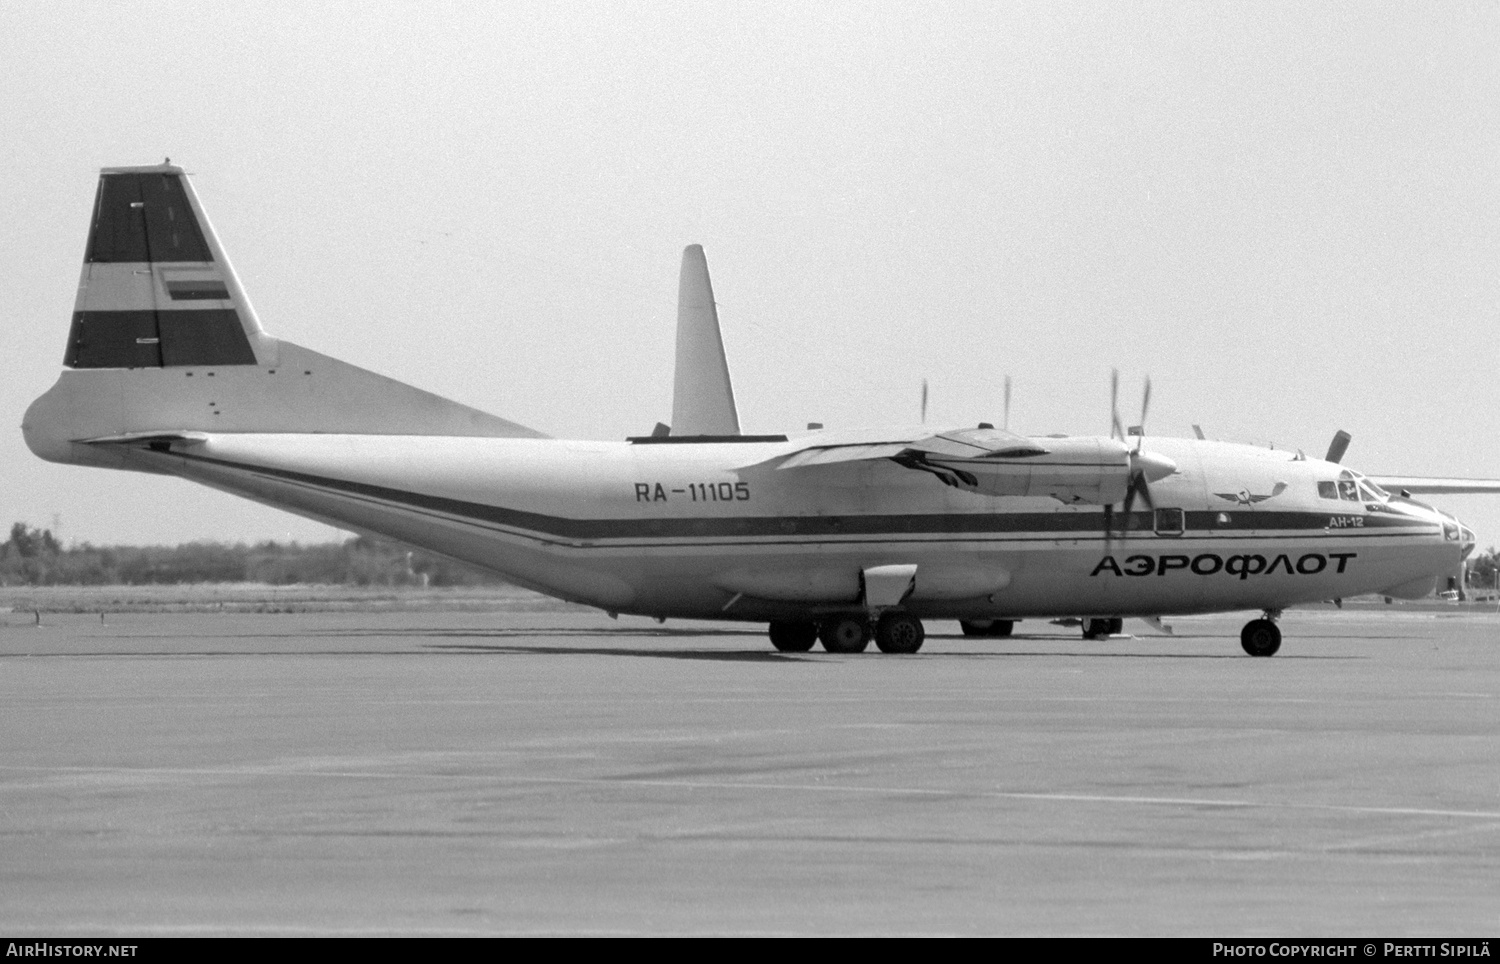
1455	531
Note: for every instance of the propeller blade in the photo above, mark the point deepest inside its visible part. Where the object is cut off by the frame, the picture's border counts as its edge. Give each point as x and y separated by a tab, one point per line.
1338	446
1125	510
1145	404
924	401
1139	489
1006	423
1198	431
1140	482
1114	405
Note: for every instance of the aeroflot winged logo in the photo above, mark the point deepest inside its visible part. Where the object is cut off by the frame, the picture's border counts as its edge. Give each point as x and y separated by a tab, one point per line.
1210	564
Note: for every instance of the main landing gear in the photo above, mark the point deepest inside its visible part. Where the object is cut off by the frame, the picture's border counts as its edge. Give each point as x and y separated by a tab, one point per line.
1262	637
845	634
893	632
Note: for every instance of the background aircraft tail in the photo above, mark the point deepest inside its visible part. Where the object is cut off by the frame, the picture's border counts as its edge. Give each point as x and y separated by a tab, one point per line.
702	395
164	339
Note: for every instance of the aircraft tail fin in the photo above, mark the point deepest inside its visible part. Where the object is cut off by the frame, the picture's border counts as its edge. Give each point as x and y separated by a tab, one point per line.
702	395
164	339
157	290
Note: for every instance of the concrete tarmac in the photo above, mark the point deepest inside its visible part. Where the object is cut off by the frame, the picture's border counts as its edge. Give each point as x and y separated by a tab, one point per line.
561	773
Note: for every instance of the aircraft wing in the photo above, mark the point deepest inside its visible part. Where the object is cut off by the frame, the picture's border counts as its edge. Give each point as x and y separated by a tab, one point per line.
826	448
1419	485
985	461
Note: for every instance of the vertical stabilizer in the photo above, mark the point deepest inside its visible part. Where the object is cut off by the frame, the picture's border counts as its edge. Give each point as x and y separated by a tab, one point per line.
157	290
163	340
702	396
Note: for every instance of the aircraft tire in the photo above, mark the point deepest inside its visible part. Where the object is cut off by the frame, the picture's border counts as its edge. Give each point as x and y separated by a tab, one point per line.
899	633
791	636
987	627
1116	626
844	634
1096	628
1260	637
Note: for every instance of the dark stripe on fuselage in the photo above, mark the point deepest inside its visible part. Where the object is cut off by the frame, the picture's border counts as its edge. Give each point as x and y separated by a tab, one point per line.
897	527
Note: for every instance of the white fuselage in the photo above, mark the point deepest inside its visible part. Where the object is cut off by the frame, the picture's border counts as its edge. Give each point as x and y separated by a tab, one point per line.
687	530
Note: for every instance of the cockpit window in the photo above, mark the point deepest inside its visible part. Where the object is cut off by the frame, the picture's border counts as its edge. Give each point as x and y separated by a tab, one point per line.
1368	492
1328	490
1348	490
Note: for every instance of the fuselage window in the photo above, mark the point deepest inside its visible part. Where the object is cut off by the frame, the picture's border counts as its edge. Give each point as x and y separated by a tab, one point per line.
1348	490
1328	490
1169	522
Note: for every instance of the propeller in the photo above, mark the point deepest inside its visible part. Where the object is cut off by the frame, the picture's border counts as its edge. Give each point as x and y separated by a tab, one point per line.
1006	423
1145	467
924	401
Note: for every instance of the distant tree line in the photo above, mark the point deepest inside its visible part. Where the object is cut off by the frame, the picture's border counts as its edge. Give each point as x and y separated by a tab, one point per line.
1483	569
33	557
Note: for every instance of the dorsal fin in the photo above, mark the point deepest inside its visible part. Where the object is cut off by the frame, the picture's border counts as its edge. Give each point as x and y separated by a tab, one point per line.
702	396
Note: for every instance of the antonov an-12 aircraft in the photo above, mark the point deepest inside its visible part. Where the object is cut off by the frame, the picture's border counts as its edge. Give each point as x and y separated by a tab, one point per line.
837	536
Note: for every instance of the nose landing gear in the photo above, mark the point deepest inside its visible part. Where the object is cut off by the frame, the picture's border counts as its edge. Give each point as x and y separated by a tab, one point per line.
1262	637
793	637
987	627
1102	628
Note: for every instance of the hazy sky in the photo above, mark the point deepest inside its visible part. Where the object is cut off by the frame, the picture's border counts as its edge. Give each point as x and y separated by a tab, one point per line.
1287	214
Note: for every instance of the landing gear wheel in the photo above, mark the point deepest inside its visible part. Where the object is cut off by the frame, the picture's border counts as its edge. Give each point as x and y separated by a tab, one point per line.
1260	637
1116	626
1097	628
793	637
899	633
844	634
987	627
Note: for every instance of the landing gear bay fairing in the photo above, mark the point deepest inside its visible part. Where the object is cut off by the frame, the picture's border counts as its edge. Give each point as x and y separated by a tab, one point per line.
838	537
